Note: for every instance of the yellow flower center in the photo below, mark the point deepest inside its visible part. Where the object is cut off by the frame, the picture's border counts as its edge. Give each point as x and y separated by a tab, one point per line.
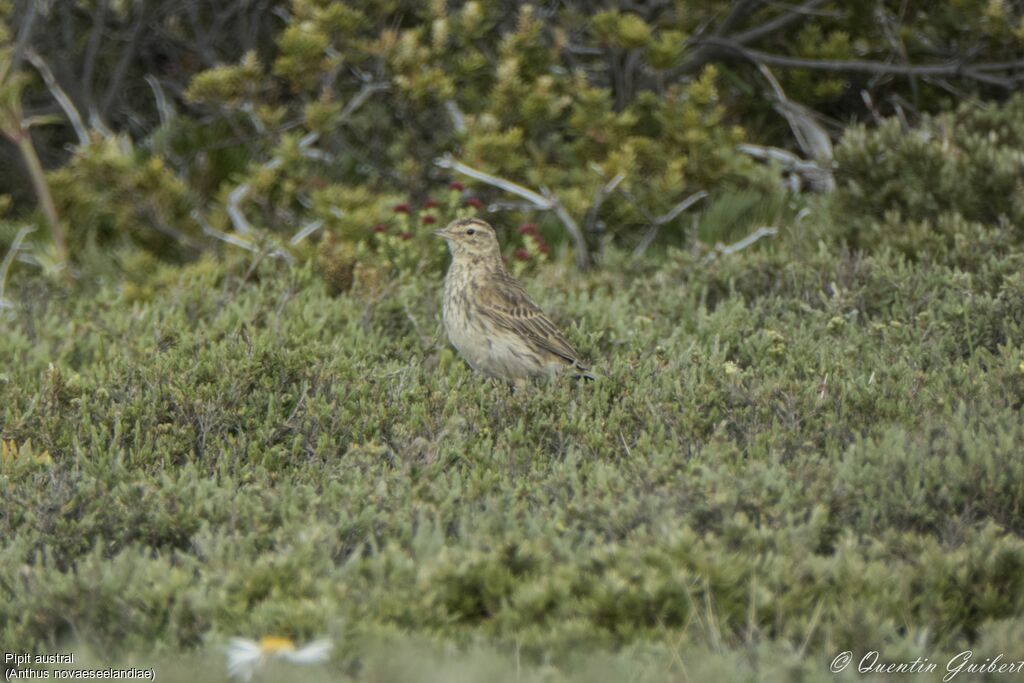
272	645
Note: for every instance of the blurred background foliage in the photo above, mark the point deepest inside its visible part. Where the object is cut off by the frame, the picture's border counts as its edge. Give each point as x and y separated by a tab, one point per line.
297	127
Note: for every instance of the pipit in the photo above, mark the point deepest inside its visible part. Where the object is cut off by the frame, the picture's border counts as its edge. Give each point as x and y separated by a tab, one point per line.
489	317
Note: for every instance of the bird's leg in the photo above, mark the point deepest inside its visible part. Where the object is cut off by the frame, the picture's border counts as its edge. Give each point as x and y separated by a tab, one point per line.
499	383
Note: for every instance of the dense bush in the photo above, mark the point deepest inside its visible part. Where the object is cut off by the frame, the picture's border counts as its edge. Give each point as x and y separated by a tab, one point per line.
290	114
957	179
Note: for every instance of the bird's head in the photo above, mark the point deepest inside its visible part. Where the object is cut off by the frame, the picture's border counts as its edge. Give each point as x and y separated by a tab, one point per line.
471	238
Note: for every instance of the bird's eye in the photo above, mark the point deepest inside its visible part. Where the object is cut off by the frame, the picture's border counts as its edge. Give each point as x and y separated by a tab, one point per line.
471	231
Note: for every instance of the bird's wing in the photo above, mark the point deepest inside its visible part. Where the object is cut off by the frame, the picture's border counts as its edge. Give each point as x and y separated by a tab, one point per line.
506	303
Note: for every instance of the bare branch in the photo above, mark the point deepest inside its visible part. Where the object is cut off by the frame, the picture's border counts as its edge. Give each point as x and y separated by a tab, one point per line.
763	231
721	42
958	93
222	236
163	107
599	198
582	252
456	116
671	214
236	241
91	52
705	47
9	258
725	250
544	202
819	177
780	22
495	207
19	135
741	11
24	37
813	139
306	231
869	104
58	94
97	124
979	72
240	193
537	200
121	68
661	220
161	226
360	98
645	242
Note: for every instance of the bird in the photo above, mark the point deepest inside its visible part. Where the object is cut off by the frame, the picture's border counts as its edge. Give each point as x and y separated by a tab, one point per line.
490	319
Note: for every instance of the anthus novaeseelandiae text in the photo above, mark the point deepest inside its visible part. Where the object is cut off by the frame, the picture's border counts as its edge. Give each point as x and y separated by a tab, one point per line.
489	317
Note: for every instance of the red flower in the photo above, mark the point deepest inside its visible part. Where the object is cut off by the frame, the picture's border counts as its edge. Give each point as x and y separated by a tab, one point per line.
406	235
431	204
528	229
429	220
402	208
522	255
475	203
380	227
456	185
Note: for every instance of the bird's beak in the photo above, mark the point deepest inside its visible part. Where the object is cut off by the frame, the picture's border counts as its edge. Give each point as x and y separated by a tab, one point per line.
441	233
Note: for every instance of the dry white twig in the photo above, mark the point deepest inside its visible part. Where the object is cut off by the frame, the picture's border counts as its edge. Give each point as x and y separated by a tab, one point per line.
537	200
97	124
306	231
236	241
495	207
455	114
163	107
812	137
360	98
9	258
680	207
600	196
666	217
222	236
725	250
74	118
545	202
238	195
820	179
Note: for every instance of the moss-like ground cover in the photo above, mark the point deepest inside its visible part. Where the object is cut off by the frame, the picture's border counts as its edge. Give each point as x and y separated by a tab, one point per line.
793	450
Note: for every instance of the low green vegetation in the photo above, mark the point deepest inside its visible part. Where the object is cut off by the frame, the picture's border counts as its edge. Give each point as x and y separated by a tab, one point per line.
792	450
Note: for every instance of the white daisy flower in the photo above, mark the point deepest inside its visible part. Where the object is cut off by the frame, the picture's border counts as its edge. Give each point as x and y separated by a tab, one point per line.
246	656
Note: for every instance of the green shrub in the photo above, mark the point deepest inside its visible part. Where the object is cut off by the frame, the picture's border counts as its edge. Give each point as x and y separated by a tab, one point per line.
939	189
239	453
112	194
